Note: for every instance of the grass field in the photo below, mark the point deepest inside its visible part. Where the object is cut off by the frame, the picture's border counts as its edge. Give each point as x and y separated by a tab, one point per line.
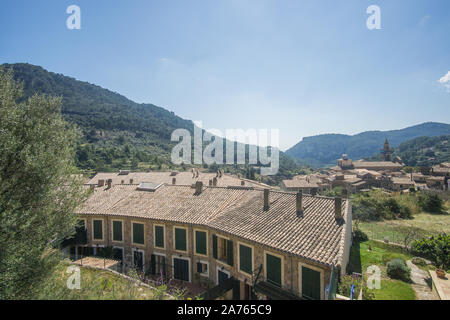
424	224
95	285
369	253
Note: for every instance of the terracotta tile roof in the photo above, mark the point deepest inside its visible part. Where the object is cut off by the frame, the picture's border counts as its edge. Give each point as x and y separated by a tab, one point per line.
182	178
299	184
315	235
376	164
402	180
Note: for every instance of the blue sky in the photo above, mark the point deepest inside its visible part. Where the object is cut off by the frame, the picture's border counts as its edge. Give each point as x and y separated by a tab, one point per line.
305	67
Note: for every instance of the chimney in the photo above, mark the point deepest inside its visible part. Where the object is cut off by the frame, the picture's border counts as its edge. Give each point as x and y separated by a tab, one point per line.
210	182
412	177
299	202
242	183
109	183
174	180
198	187
92	186
215	182
122	182
131	181
338	208
266	199
101	182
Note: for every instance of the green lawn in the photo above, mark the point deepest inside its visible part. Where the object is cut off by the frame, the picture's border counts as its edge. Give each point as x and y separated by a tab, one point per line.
370	253
95	285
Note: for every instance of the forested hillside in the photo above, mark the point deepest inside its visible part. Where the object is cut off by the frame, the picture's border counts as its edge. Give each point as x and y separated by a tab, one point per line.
118	133
424	151
325	149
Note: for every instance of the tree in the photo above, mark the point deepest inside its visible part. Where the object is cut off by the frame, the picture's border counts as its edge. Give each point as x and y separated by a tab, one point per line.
38	196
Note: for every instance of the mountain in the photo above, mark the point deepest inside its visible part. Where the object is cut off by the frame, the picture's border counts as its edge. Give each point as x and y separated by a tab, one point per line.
325	149
117	133
424	151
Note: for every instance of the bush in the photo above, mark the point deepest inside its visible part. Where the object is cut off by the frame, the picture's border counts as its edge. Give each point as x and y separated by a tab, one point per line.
431	202
397	269
436	249
345	284
359	236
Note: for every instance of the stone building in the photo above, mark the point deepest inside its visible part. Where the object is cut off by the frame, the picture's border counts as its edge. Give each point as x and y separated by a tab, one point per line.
269	241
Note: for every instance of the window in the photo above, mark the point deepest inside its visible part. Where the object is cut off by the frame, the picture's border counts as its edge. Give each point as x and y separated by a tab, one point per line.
98	229
180	239
310	283
200	242
138	233
223	249
159	236
245	259
202	268
273	269
117	230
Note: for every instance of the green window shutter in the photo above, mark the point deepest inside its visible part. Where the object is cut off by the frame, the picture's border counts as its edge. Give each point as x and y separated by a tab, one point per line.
273	265
230	252
310	284
117	230
138	233
214	246
245	259
98	229
159	236
200	242
180	239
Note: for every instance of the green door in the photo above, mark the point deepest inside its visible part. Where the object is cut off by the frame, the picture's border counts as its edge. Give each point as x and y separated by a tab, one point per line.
181	269
222	276
310	284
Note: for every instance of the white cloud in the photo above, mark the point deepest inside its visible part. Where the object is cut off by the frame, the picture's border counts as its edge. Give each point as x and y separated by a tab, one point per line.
445	81
424	20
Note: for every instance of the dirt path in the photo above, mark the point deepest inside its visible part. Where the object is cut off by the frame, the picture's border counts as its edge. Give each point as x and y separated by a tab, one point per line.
420	280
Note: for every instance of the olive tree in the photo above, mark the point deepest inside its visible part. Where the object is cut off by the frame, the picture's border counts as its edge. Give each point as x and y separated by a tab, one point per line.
38	192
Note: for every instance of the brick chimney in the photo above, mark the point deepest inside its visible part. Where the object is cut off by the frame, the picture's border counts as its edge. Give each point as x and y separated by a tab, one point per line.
109	183
338	208
242	183
299	202
101	182
131	181
210	182
174	180
215	182
266	199
198	187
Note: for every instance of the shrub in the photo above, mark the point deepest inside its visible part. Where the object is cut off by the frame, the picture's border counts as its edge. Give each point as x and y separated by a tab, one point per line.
397	269
436	249
419	261
359	236
431	202
345	284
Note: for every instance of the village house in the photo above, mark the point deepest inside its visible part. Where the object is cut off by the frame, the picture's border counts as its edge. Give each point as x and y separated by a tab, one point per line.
275	244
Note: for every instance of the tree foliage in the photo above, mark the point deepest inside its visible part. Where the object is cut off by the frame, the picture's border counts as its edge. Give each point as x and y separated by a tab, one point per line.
37	194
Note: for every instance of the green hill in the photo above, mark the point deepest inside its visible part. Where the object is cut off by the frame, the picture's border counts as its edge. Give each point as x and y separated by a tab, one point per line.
325	149
118	133
424	151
